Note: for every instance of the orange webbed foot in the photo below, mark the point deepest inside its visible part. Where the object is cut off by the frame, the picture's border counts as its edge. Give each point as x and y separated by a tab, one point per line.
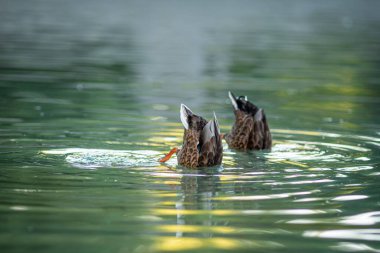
168	156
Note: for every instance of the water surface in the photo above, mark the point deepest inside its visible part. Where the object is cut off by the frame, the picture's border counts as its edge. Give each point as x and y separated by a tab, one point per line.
89	100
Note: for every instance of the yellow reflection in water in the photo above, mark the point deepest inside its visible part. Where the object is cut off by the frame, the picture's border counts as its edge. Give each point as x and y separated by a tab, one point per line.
168	182
173	132
294	163
229	177
310	133
167	137
167	203
177	125
216	229
228	159
166	243
176	244
194	228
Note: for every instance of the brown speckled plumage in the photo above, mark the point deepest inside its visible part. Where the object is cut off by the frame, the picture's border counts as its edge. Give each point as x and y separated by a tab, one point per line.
202	145
250	130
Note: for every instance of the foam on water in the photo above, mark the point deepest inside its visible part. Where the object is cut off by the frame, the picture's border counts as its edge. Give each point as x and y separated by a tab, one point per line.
95	158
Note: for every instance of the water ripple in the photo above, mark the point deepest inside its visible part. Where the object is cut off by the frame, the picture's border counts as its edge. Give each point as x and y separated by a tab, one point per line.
95	158
229	212
354	247
352	234
268	196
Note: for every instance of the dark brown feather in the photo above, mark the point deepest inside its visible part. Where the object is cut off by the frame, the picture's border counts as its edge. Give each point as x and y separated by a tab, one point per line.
211	152
202	145
250	130
188	155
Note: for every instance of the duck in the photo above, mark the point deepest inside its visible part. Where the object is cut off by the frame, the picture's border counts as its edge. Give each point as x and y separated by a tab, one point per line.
202	141
250	130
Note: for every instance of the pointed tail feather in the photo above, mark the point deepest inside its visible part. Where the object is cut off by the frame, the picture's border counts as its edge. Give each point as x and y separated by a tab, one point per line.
233	100
185	112
208	131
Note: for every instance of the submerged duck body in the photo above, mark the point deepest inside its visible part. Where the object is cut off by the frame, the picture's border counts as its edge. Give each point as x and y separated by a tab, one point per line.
202	143
250	130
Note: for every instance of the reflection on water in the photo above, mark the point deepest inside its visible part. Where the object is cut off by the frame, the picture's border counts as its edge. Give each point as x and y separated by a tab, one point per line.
89	100
357	234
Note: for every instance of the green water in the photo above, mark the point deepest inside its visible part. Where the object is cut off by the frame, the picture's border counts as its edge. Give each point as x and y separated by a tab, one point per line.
89	100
